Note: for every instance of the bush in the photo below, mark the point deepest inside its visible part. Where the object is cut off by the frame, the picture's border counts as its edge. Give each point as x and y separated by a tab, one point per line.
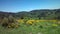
9	22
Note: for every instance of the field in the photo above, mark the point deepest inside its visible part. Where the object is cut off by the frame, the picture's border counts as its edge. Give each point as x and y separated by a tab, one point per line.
33	27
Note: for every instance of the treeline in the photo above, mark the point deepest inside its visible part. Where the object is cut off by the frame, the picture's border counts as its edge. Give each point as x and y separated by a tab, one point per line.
34	14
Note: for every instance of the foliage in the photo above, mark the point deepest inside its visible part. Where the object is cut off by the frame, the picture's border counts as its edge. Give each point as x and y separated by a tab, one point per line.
34	22
42	27
45	13
9	22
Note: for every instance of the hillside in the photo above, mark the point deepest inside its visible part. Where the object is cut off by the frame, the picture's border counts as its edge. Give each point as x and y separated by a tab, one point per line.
33	22
45	13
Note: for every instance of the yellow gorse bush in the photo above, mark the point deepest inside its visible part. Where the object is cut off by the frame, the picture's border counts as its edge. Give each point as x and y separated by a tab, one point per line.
34	21
54	25
45	20
13	25
30	21
52	20
37	21
20	21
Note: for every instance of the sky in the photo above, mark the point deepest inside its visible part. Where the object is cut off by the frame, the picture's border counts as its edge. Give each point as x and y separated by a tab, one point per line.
28	5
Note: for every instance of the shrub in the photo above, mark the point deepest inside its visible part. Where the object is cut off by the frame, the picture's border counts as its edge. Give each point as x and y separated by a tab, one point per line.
9	22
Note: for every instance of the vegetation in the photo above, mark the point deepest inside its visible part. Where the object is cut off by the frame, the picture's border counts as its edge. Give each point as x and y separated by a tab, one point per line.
34	14
33	22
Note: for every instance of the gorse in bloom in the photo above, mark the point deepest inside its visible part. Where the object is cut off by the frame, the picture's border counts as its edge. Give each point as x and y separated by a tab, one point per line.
20	21
54	25
30	21
34	21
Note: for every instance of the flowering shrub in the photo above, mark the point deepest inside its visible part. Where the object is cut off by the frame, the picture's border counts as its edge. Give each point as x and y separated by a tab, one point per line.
13	25
54	25
30	21
20	21
34	21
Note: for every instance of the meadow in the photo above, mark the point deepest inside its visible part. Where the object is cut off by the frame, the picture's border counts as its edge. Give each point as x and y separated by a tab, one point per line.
33	27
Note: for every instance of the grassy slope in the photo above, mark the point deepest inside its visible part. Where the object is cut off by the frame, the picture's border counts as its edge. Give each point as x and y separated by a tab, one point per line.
38	28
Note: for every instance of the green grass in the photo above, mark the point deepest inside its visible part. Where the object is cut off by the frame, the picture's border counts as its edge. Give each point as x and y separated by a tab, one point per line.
38	28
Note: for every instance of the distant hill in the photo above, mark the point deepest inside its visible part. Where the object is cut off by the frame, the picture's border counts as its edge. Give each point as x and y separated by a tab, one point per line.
45	13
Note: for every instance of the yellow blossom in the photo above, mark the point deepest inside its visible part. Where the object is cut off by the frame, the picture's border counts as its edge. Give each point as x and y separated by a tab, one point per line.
54	25
30	21
20	21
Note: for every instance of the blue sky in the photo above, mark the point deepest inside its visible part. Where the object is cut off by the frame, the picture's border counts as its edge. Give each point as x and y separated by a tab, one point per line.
27	5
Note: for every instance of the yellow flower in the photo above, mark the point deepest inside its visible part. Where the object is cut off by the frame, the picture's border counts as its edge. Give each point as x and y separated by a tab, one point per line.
54	25
37	20
30	21
20	21
52	20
